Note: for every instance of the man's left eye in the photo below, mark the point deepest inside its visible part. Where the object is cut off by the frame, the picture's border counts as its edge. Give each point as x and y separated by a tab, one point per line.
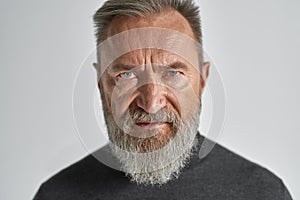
173	73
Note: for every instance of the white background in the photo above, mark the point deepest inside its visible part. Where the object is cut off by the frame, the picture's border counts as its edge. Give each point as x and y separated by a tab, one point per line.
255	45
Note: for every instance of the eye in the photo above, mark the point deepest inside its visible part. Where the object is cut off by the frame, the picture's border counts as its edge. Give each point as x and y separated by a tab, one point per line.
173	73
126	75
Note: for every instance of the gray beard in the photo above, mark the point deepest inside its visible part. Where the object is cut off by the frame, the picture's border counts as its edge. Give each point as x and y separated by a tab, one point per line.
156	166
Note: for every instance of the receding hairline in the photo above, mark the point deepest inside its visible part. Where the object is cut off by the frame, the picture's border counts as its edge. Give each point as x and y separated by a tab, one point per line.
139	8
148	18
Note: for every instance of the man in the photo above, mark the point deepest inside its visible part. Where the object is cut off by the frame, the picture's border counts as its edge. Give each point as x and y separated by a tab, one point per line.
151	75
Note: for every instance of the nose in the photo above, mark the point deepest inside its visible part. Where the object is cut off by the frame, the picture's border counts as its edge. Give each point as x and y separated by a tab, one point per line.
151	98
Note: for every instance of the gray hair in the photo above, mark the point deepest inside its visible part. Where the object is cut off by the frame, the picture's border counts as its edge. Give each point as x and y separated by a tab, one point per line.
140	8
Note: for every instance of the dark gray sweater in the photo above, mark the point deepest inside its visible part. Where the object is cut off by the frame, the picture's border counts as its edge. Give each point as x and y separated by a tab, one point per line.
222	175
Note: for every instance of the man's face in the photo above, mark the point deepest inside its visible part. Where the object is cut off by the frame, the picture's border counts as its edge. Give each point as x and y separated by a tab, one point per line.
151	95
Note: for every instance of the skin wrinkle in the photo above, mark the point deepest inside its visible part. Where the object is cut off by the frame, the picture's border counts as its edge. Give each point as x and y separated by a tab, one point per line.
157	56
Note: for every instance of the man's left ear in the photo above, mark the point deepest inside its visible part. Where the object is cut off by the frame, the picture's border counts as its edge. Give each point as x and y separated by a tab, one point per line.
204	75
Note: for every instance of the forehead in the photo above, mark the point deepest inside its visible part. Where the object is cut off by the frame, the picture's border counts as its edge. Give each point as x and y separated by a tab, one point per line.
145	40
170	19
146	56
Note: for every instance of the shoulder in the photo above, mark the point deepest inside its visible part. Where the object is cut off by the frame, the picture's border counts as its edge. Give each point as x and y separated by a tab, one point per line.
222	173
232	173
78	181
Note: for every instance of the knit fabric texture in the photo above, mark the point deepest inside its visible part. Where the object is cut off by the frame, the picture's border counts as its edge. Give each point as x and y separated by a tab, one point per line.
221	175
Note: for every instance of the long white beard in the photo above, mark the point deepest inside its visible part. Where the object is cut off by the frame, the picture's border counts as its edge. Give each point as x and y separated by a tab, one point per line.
156	166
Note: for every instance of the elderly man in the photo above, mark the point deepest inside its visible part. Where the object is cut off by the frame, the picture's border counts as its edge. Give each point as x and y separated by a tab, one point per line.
151	75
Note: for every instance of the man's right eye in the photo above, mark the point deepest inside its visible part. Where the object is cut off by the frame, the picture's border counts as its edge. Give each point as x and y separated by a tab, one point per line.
126	75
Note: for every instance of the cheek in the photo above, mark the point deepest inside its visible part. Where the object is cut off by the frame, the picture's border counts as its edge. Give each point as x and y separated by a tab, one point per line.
188	98
196	84
173	102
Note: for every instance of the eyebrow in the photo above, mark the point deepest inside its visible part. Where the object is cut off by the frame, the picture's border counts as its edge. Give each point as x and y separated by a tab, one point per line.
119	67
179	65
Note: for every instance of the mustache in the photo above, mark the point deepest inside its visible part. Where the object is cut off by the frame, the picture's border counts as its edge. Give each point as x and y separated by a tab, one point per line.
138	115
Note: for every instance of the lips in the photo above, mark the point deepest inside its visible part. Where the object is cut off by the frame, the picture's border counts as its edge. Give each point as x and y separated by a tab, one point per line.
146	124
152	125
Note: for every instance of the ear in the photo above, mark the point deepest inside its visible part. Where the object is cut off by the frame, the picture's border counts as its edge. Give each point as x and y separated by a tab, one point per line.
96	67
204	75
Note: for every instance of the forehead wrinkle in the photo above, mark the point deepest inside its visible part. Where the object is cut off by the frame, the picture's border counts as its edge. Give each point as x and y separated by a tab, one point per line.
148	57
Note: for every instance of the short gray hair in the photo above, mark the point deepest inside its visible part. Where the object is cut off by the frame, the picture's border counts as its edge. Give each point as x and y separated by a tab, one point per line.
140	8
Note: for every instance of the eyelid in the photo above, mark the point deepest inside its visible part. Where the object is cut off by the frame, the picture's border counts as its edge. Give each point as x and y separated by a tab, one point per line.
175	70
177	73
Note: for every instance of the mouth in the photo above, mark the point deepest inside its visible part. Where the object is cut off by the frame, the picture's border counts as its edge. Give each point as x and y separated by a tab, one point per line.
151	125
